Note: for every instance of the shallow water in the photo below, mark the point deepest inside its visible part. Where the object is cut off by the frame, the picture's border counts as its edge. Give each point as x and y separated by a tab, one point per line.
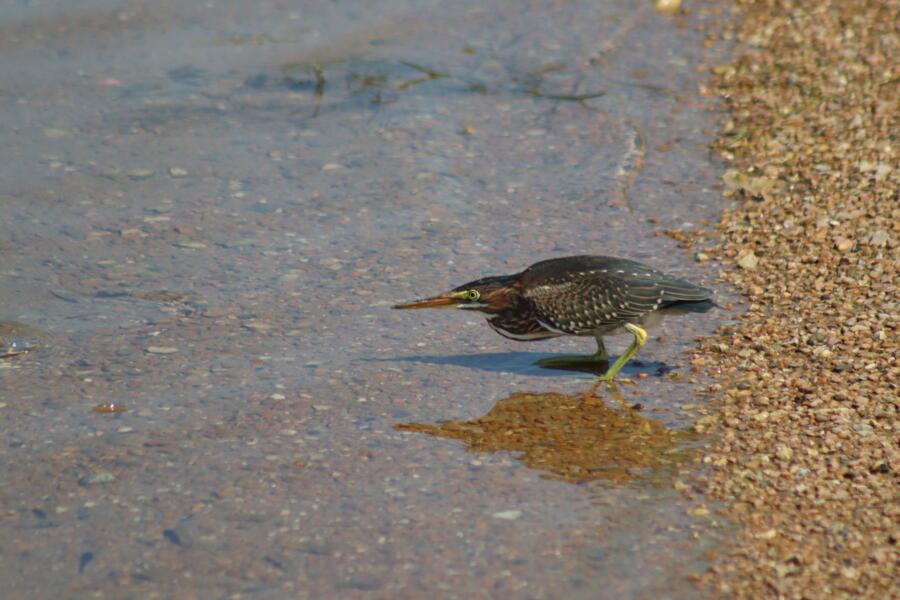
208	210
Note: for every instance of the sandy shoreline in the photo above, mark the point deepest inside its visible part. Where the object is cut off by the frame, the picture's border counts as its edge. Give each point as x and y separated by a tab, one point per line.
806	454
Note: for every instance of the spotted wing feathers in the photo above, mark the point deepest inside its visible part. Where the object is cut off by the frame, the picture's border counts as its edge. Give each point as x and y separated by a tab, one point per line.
591	294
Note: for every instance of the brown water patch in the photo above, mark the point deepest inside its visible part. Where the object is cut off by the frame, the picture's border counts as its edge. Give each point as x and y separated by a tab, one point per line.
577	438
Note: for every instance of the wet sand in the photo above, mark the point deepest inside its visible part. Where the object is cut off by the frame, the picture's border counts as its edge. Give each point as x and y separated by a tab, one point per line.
208	210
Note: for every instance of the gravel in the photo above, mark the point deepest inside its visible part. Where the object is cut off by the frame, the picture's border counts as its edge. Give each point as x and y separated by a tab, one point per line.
806	453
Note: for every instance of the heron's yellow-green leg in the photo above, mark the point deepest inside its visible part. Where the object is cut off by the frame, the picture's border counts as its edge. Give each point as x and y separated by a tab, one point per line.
640	336
600	356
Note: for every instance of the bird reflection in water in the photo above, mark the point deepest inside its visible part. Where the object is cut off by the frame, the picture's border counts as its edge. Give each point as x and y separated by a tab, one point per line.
575	438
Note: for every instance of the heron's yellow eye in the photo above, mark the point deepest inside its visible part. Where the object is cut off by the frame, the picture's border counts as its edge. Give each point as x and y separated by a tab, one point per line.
472	295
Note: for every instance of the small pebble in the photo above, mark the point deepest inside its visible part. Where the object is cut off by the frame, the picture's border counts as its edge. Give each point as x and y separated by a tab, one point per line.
509	515
140	174
95	478
161	349
667	6
748	261
52	132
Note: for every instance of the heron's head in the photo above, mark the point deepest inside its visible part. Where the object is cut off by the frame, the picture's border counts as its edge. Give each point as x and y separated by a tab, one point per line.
490	296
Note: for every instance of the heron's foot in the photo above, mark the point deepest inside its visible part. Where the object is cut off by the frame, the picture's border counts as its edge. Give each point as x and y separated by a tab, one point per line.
610	378
640	336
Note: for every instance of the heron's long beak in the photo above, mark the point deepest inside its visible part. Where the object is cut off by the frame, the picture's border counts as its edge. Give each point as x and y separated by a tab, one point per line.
436	302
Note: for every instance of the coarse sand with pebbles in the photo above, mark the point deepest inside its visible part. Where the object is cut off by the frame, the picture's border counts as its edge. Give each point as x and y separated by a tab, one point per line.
805	455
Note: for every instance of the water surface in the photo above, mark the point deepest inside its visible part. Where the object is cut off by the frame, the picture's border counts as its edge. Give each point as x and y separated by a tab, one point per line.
209	208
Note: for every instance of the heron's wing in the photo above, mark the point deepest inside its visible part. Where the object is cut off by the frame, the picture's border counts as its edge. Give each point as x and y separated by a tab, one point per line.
584	301
679	290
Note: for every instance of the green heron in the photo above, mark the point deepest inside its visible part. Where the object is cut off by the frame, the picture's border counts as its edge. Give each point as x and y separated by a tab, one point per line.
576	295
